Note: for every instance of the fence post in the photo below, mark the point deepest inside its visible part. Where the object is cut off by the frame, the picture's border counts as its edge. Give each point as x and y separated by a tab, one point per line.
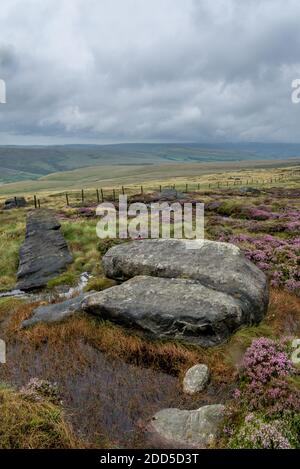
142	190
114	195
82	195
123	190
35	202
160	188
97	193
102	195
67	198
186	187
39	203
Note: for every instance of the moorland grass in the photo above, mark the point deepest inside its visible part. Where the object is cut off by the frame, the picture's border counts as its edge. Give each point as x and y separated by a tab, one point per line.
26	424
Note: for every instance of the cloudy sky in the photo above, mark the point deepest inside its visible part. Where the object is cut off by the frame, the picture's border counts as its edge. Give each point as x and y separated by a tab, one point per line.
103	71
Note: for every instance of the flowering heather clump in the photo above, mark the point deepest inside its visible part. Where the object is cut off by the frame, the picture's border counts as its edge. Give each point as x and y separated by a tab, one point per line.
267	390
265	359
255	433
265	366
279	258
39	389
261	214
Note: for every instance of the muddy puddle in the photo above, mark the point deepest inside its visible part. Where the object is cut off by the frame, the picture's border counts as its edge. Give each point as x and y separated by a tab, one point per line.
107	401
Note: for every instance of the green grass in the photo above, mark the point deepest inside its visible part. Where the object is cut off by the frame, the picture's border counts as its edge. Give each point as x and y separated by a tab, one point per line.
27	425
82	239
109	176
12	232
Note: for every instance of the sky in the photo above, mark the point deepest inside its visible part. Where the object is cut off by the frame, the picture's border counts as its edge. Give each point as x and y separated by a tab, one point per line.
108	71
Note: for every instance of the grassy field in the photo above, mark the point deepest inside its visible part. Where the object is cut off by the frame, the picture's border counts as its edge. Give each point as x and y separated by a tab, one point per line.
20	163
151	176
111	379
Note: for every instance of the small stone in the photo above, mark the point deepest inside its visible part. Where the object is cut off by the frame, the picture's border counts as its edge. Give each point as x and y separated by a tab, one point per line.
196	378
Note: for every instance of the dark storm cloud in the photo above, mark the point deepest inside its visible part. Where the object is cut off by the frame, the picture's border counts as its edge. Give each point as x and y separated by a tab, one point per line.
134	70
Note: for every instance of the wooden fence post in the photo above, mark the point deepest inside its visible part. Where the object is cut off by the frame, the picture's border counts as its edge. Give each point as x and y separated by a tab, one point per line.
82	195
102	195
123	190
67	198
98	197
35	202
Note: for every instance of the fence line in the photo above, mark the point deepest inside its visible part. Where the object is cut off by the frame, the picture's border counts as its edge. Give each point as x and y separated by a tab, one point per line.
86	196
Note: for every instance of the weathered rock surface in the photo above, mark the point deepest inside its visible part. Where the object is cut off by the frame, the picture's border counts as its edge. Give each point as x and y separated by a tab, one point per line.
44	253
221	267
170	308
55	312
170	194
249	190
188	428
14	203
196	379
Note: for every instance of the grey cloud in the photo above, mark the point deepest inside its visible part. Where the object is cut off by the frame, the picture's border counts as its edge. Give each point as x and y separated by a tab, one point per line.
125	70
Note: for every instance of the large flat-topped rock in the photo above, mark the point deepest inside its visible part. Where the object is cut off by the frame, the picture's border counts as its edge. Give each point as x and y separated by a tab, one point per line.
44	253
171	308
218	266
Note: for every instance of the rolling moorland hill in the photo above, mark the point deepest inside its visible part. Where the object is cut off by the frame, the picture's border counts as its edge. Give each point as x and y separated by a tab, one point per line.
19	163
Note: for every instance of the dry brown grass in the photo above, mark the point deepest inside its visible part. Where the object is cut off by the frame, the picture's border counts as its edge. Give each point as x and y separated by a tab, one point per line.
284	313
111	378
32	424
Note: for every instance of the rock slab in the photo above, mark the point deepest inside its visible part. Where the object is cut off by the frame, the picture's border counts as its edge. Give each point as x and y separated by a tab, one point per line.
221	267
16	202
170	308
196	379
44	253
55	312
188	428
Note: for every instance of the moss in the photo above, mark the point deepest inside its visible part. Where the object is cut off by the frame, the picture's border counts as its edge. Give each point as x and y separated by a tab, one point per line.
67	278
99	284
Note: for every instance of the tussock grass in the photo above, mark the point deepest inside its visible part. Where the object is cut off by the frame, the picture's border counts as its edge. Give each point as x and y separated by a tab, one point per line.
25	424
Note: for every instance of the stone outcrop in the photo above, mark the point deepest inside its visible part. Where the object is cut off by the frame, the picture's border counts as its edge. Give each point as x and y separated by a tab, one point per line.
221	267
170	308
16	202
44	253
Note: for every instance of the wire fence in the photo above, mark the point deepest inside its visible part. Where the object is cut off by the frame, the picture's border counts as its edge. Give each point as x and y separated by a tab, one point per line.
85	197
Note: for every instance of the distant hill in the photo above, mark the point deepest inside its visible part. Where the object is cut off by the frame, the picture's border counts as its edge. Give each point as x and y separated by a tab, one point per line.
19	163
